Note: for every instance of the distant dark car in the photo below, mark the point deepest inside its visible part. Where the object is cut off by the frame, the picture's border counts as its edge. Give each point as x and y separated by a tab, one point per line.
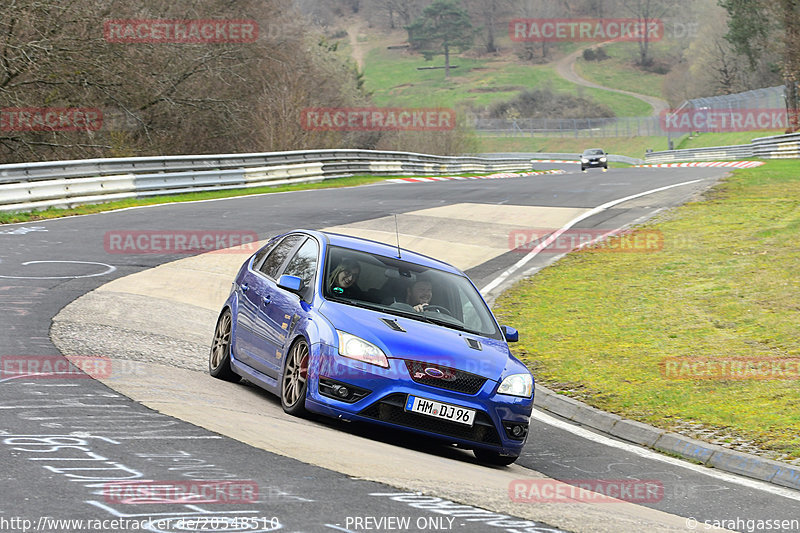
594	158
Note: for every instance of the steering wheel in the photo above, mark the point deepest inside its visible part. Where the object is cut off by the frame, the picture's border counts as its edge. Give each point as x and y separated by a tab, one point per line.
438	309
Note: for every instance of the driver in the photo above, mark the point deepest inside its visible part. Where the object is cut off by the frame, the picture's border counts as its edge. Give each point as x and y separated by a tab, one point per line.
419	294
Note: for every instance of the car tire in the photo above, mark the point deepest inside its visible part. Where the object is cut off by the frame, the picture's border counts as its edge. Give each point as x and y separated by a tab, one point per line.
489	457
219	360
294	380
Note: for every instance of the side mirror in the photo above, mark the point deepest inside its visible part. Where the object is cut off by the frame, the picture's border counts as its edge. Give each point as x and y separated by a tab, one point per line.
510	334
290	283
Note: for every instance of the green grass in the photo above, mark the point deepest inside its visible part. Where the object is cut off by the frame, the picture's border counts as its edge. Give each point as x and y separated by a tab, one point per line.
596	325
393	78
619	72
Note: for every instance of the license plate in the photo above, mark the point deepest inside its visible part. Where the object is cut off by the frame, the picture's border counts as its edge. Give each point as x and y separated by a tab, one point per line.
453	413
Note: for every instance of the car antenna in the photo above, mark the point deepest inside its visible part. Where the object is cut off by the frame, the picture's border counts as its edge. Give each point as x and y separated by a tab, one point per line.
397	234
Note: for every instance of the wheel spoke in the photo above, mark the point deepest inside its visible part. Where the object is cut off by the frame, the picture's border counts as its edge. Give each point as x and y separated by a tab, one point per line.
295	374
221	342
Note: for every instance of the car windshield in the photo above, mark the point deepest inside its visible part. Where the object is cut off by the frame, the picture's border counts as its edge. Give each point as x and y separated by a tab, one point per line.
594	152
400	288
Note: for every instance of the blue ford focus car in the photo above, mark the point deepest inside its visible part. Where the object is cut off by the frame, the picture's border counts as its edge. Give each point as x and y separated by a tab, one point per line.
363	331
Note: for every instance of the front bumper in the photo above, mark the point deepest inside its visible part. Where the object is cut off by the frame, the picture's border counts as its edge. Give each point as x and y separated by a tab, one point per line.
380	397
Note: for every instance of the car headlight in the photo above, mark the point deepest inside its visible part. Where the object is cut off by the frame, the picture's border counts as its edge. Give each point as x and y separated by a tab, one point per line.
603	159
584	160
517	385
357	348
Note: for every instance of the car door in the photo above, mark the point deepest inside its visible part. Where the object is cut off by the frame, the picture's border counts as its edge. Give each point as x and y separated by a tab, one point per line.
284	308
255	340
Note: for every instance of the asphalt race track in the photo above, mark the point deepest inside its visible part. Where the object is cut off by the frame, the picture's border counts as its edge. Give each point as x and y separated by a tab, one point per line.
62	440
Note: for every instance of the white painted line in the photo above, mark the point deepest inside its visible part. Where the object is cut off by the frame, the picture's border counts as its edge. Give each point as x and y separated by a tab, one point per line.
553	236
339	528
656	456
109	269
185	437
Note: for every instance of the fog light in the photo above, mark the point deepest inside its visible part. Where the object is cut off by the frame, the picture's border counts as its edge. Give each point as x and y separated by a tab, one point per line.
341	391
515	430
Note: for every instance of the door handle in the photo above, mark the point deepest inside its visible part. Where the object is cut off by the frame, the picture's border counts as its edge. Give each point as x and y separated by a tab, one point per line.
245	287
266	300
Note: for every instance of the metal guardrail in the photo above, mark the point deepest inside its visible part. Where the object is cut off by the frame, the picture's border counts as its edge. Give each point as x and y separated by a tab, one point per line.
716	153
778	147
774	147
614	158
29	186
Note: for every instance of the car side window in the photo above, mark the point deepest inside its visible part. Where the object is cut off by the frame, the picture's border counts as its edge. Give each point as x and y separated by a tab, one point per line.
278	256
304	263
259	257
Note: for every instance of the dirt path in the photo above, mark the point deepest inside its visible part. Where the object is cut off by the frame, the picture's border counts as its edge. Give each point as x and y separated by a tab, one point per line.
357	49
565	67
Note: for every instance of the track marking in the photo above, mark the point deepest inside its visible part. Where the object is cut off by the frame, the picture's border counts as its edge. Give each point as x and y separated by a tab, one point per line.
656	456
553	236
109	269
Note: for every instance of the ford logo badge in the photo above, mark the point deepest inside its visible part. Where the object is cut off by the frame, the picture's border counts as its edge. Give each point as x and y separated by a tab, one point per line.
434	372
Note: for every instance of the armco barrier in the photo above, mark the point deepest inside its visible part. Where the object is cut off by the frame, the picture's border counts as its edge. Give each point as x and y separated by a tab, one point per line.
28	186
778	147
614	158
775	147
717	153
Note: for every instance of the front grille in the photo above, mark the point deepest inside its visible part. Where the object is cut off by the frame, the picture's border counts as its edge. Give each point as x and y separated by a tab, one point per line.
391	409
451	378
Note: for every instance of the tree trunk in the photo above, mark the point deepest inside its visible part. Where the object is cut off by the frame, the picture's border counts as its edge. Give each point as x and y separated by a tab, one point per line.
791	63
446	61
491	47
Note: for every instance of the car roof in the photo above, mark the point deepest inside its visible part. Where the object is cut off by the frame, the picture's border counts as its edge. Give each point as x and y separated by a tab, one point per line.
593	150
379	248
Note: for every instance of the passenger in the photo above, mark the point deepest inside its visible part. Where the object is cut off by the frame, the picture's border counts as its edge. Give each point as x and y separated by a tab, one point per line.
342	281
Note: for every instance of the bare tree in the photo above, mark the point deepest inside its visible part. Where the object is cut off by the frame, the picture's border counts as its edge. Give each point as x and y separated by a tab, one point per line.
160	97
490	13
647	12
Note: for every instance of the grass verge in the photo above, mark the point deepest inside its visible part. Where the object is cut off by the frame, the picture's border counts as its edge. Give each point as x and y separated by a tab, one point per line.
598	326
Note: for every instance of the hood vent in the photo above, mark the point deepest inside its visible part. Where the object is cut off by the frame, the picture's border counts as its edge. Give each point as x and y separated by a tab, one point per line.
393	324
474	344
